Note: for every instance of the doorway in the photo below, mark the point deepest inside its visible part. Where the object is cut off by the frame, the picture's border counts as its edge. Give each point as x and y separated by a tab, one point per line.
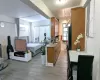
65	32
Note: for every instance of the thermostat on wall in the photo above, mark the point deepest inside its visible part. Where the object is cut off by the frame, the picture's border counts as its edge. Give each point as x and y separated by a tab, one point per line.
2	24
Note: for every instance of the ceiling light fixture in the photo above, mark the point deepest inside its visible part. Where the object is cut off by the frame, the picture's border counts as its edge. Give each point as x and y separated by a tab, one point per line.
61	2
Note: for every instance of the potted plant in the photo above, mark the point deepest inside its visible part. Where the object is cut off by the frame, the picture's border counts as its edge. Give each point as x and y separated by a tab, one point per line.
77	41
43	56
78	46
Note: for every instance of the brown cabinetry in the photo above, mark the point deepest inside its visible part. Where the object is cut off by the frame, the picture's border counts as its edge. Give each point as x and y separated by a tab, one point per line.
78	26
53	51
54	27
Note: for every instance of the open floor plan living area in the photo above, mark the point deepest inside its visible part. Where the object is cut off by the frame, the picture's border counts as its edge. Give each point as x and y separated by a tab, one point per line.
34	70
49	40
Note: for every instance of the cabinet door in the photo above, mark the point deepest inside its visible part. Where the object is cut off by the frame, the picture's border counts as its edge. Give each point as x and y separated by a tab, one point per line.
56	28
50	55
52	27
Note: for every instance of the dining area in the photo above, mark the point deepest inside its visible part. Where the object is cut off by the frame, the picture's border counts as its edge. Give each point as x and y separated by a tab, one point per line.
80	65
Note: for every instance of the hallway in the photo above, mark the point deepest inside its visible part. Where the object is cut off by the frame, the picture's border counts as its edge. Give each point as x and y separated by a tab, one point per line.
33	70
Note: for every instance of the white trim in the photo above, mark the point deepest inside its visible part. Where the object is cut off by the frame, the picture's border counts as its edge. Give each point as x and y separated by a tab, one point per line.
49	64
27	58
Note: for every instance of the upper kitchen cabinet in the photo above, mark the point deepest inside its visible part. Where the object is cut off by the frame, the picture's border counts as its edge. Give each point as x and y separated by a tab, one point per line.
54	27
78	26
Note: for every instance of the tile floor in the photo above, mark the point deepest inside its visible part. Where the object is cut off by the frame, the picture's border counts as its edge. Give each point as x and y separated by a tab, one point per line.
33	70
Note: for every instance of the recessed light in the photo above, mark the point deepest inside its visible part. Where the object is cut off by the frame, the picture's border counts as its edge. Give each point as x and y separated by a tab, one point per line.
61	2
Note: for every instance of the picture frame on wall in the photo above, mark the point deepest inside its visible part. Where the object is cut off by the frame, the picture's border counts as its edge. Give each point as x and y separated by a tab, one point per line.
90	19
91	29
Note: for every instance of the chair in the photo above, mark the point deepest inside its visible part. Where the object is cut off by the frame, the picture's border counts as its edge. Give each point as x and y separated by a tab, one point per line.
69	69
84	70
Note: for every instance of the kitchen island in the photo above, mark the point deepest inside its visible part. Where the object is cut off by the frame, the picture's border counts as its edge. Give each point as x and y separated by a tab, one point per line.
52	53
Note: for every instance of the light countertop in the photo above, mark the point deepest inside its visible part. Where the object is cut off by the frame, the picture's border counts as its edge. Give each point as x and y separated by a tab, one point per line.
51	45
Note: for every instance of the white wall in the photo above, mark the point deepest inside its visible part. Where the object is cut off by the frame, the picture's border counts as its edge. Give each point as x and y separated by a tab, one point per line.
41	23
97	36
83	2
7	19
93	44
90	20
8	30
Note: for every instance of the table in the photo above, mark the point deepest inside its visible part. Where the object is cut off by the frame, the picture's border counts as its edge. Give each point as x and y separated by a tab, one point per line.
74	55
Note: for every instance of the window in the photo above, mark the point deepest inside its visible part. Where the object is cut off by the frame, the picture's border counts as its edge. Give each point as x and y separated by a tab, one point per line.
39	32
65	32
65	29
24	29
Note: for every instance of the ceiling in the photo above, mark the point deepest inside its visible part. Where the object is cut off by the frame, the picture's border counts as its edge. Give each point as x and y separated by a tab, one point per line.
34	18
60	10
17	9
